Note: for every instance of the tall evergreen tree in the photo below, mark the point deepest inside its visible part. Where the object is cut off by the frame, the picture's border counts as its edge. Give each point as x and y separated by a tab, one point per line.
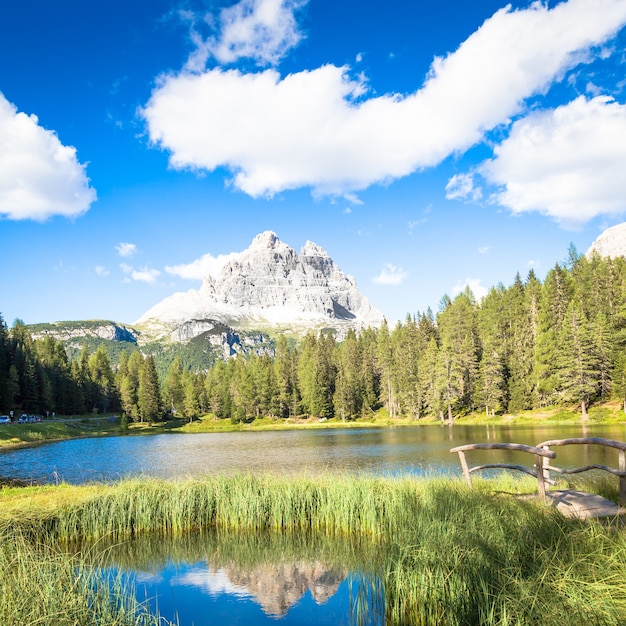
103	380
148	392
577	362
348	397
458	354
555	300
173	390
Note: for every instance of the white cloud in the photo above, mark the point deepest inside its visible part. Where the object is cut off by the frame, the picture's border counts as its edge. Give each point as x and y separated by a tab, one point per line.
568	163
39	176
206	265
263	30
484	249
144	274
314	128
479	290
390	275
461	187
212	582
101	270
413	224
126	249
353	198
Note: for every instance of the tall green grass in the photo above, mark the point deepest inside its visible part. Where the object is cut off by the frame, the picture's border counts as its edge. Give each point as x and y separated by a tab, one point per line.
444	554
42	584
332	504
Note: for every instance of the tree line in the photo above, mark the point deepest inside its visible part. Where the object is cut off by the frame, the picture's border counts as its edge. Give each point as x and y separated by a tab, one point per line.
525	346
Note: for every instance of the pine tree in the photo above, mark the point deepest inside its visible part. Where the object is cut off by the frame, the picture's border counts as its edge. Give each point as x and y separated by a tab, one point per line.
458	354
494	329
242	391
217	389
386	365
348	396
5	392
316	375
283	376
173	392
148	392
103	380
577	363
407	348
191	394
369	373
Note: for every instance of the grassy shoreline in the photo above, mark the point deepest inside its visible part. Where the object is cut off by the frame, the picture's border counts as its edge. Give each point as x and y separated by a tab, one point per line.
23	435
18	436
451	556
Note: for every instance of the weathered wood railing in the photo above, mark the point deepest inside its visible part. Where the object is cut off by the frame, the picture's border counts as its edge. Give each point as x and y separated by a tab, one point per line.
540	453
609	443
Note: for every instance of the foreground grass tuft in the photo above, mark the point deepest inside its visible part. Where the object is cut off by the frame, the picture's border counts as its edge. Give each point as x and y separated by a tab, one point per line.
445	554
41	584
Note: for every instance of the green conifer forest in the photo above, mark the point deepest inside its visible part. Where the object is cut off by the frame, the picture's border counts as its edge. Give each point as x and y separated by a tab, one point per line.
529	345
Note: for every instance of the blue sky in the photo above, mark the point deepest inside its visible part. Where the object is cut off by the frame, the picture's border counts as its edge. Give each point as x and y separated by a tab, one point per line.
424	145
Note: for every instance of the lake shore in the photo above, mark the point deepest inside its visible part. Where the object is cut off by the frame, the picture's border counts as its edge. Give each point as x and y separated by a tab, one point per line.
15	436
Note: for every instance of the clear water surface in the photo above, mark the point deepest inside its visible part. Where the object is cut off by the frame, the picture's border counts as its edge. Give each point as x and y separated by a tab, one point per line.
415	450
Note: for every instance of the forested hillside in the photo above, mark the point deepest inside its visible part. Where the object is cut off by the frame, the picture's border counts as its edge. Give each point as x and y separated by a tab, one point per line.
525	346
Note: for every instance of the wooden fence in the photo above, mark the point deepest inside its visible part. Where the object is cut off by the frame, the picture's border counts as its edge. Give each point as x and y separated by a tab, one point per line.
539	452
543	454
609	443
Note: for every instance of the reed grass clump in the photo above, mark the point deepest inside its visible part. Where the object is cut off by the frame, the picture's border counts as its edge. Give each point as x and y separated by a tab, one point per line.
42	584
444	554
333	504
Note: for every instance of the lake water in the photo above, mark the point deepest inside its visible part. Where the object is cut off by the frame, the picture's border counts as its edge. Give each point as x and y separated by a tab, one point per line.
415	450
206	580
210	580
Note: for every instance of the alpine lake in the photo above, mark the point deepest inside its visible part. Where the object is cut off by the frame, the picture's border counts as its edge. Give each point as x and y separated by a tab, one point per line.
212	577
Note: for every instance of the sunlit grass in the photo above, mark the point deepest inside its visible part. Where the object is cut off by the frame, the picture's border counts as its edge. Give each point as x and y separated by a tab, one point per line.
447	554
41	584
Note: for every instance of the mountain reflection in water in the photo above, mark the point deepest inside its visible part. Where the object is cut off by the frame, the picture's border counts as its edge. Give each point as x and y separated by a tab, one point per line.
207	579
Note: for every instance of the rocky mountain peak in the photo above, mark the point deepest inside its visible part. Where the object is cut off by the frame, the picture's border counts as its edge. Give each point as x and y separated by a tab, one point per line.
312	249
269	284
266	240
611	242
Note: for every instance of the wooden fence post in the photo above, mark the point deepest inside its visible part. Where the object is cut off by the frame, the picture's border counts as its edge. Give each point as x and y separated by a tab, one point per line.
466	472
541	485
622	479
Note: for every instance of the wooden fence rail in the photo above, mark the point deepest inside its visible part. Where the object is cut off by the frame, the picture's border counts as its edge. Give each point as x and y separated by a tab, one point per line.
540	453
609	443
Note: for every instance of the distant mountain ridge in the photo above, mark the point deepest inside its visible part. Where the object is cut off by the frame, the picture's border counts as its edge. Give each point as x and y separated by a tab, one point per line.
264	290
266	285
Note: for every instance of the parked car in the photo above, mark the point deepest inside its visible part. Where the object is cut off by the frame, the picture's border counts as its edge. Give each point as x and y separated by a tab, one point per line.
5	419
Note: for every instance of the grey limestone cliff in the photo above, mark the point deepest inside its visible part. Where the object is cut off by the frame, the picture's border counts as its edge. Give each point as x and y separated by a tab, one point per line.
267	285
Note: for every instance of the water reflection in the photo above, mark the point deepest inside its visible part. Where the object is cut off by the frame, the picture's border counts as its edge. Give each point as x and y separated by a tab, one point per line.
415	450
208	578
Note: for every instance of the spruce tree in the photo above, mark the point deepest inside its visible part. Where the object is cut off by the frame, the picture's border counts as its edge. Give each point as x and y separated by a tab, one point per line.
173	391
148	392
577	361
